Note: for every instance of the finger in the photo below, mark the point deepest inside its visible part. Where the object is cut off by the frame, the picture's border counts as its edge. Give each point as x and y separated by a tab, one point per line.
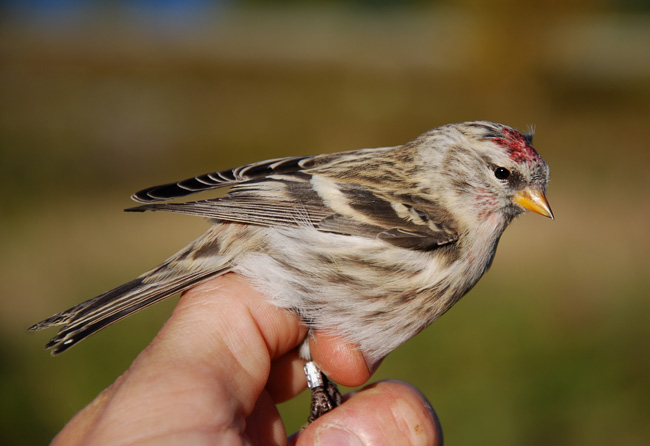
340	361
287	378
384	413
262	429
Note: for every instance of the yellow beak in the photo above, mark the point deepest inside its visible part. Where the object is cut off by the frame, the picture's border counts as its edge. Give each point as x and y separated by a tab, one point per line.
534	200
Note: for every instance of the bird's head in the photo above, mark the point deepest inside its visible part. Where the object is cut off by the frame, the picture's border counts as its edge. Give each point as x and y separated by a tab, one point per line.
491	169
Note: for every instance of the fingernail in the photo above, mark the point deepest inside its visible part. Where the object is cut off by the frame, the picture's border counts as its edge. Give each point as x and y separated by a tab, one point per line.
336	436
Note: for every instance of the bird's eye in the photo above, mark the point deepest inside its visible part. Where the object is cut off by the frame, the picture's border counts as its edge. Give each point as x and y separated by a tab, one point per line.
501	173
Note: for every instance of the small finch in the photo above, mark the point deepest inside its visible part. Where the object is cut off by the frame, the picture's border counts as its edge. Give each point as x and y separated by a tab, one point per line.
372	245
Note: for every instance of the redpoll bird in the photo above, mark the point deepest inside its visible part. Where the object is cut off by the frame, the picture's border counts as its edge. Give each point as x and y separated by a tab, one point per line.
372	245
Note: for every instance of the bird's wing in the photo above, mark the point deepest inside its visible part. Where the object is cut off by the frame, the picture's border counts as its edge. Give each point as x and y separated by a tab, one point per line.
300	198
223	178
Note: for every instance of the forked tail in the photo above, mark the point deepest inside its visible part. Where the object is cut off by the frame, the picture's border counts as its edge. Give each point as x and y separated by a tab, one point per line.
88	317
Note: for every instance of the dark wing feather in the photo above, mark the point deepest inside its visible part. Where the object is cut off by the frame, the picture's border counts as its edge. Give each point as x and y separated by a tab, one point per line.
398	220
245	211
224	178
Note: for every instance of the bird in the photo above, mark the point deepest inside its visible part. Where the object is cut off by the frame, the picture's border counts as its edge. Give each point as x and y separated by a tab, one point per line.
372	245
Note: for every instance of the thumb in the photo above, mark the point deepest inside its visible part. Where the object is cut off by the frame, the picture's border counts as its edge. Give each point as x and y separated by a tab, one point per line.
384	413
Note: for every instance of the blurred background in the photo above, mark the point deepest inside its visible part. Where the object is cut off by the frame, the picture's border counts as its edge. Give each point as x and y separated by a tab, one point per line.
102	98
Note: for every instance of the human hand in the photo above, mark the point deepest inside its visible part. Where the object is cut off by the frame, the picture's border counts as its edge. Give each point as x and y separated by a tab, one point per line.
220	364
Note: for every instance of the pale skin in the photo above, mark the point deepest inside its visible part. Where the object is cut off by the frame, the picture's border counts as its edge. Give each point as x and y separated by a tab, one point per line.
217	368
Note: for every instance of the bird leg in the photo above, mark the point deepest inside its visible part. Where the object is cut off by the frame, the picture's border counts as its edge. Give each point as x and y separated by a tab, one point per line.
325	396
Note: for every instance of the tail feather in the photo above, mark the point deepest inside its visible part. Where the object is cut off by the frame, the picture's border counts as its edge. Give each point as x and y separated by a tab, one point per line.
87	318
70	314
